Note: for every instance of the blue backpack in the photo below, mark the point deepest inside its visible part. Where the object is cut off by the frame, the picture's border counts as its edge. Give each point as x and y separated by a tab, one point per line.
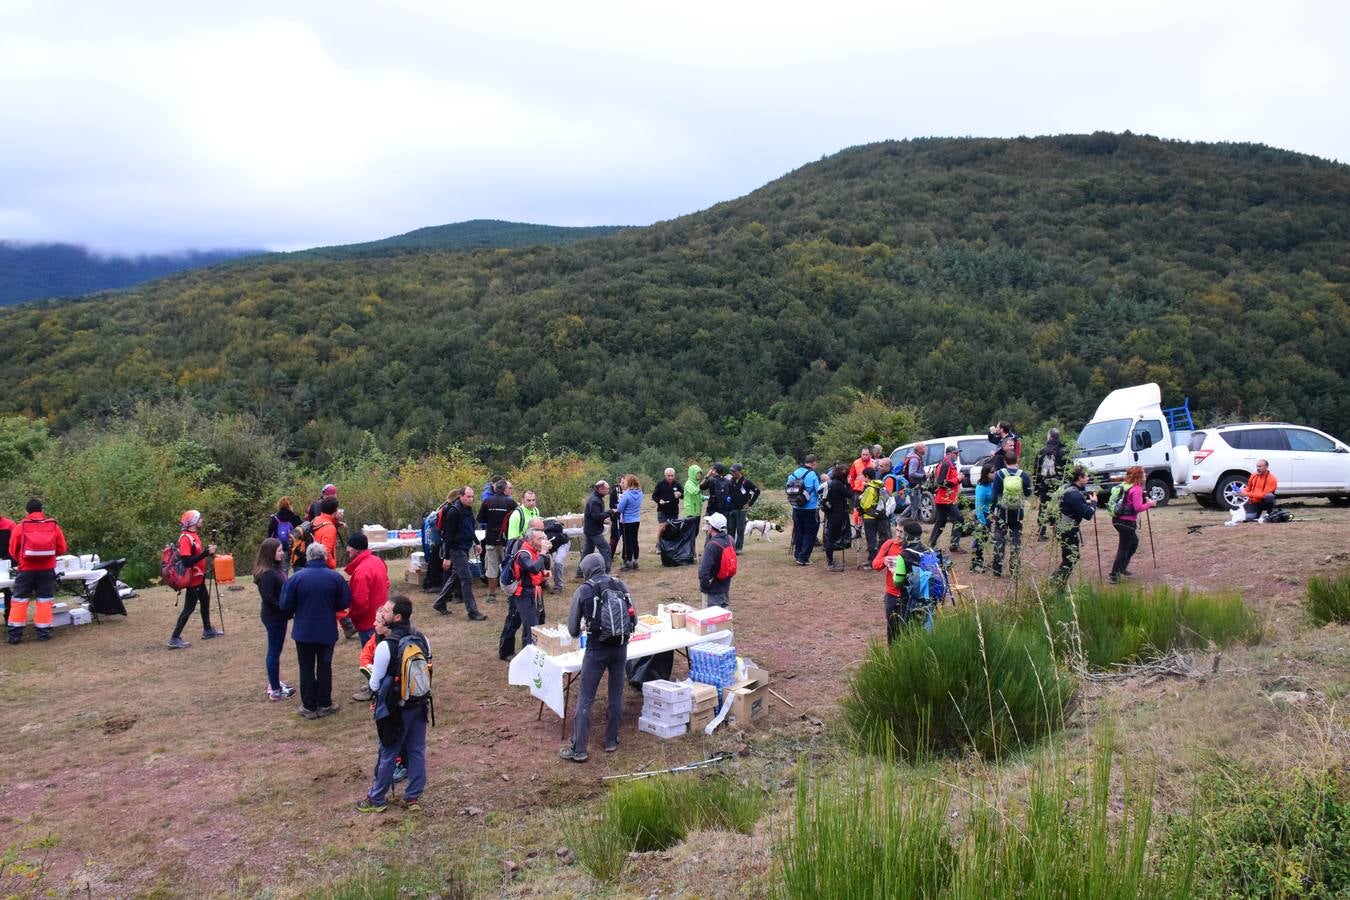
925	588
284	528
431	532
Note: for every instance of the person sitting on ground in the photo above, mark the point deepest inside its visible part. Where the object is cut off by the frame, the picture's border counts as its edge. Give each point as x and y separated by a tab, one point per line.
836	506
884	561
666	495
606	654
530	569
193	553
1075	507
1259	492
34	544
314	596
268	576
715	574
401	728
368	578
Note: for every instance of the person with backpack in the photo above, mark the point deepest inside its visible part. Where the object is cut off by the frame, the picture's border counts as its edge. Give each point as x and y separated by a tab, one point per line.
604	604
559	546
314	596
1049	466
743	494
1125	510
1075	506
718	564
400	679
884	561
518	524
856	480
918	576
947	500
984	502
717	487
432	576
281	525
1012	487
526	571
593	518
492	516
835	505
692	504
34	544
269	578
911	467
803	495
875	504
666	495
316	506
193	553
457	539
323	529
6	531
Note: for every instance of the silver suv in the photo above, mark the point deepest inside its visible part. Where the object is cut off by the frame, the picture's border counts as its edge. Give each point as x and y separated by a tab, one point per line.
1305	462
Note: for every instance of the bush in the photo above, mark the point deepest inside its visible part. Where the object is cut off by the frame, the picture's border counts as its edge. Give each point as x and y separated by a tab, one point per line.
1328	599
976	680
648	814
378	882
874	834
1107	625
1262	837
862	422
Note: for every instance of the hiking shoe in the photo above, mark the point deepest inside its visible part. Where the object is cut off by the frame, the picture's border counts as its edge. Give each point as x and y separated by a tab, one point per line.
306	713
212	633
802	562
1113	578
368	805
492	598
364	693
275	695
400	773
956	550
328	710
175	643
1127	573
574	756
412	804
977	568
441	609
44	634
476	617
287	690
611	746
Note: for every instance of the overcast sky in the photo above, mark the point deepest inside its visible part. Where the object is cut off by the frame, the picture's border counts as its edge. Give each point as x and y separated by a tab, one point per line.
149	126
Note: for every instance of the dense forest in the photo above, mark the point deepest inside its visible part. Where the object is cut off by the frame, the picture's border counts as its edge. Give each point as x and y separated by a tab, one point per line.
970	278
476	234
40	271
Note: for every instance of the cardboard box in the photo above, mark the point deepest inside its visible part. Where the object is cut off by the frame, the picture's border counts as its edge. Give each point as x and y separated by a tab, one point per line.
661	729
699	720
665	717
676	613
411	577
661	707
668	691
751	700
707	621
375	533
571	520
553	639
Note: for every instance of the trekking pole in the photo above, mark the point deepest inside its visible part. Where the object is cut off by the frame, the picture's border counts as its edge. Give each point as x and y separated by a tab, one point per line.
220	604
1149	522
1097	539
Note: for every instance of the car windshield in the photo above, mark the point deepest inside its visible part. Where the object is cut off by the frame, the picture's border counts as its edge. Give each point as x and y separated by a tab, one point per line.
1107	435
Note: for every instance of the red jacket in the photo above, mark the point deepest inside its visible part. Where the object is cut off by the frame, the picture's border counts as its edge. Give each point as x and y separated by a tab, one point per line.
326	533
370	588
36	542
890	549
526	558
949	482
190	545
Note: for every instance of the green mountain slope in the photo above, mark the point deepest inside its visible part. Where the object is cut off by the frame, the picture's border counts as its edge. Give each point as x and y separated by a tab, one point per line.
472	235
974	278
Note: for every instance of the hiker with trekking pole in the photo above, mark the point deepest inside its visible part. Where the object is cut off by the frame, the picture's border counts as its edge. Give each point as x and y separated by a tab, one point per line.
1125	504
1074	506
192	554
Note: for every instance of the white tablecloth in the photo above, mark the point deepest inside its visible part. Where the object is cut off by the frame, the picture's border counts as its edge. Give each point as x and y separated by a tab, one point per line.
90	577
395	544
546	676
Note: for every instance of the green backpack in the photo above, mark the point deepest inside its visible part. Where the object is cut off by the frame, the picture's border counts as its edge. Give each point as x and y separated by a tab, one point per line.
1013	494
1115	503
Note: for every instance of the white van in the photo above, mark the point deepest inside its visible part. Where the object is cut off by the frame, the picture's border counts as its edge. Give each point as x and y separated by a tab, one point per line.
1130	428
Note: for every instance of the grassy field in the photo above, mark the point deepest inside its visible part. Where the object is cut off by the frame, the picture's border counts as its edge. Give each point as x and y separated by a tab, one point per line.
135	771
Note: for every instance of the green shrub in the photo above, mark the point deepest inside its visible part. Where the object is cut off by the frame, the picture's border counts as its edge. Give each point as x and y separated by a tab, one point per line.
978	679
1328	599
647	814
1112	624
716	803
598	847
1266	837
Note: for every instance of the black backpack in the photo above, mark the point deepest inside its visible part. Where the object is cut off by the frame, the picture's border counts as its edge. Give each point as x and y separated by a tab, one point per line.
508	576
797	495
611	619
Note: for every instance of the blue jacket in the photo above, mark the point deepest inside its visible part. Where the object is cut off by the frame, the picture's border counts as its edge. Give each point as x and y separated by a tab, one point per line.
630	503
984	498
314	596
811	481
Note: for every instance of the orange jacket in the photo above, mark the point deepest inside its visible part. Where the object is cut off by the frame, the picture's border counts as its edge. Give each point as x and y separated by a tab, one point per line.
368	651
891	548
326	533
949	482
36	542
856	482
1259	485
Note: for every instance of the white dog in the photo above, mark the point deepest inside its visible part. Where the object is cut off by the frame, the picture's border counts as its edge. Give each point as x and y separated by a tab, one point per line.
762	527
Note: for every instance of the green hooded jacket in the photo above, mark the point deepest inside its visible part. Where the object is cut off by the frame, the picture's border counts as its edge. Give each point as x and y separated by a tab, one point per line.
693	495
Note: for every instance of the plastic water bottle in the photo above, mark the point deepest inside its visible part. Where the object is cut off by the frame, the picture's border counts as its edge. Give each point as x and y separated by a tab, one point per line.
583	640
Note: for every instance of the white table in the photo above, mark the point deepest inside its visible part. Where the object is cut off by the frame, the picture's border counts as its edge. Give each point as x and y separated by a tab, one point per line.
90	577
395	544
550	678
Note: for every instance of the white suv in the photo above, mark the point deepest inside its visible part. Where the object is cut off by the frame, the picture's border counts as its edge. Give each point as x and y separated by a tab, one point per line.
1304	461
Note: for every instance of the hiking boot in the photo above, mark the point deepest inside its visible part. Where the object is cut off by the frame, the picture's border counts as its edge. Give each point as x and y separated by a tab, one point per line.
400	773
956	549
573	755
16	635
328	710
412	804
1113	578
977	568
44	634
441	608
476	617
306	713
492	598
175	643
611	746
287	690
368	805
635	564
348	629
212	633
363	693
1127	573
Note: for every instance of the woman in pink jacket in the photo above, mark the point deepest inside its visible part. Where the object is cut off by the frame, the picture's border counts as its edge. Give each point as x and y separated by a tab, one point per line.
1127	523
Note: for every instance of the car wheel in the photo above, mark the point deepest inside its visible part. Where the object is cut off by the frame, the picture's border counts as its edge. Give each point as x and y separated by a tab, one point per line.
927	510
1340	499
1226	491
1157	490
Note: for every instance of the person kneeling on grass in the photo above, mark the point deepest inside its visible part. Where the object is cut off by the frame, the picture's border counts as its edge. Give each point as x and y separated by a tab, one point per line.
401	710
604	603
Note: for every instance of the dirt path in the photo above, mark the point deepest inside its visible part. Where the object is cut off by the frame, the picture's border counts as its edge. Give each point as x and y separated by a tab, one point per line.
133	768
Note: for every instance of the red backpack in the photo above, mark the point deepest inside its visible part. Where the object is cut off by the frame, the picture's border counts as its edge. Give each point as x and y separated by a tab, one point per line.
38	538
726	566
172	571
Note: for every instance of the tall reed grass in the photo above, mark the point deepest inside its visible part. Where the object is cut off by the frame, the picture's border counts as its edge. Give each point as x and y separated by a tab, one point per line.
1328	599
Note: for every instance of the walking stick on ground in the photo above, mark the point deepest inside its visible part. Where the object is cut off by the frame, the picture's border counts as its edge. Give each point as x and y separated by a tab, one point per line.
1097	539
1149	523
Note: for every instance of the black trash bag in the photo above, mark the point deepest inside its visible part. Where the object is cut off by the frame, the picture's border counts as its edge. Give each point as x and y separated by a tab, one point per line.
106	601
656	667
676	542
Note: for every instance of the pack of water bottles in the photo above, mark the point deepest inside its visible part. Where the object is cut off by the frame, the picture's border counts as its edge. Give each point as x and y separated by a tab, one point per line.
713	664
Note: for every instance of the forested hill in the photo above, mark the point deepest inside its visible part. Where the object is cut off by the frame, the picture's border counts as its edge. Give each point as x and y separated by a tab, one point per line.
40	271
475	234
974	278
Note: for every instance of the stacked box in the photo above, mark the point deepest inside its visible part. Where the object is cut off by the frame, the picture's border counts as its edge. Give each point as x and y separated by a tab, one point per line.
707	621
662	729
705	706
665	709
713	664
553	640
